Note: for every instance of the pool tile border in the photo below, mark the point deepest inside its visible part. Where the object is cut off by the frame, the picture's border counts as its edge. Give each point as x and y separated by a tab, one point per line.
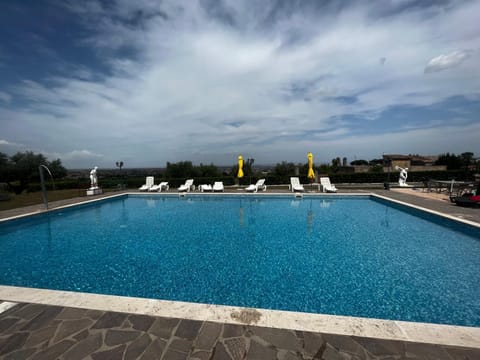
339	325
464	221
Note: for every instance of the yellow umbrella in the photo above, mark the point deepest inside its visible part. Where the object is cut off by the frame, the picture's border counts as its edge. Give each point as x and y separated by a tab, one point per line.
311	173
240	166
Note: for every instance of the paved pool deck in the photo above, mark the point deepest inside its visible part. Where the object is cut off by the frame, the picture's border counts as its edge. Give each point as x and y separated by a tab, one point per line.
88	326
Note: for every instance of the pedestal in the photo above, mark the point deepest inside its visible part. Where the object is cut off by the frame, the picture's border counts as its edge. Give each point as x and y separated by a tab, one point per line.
94	191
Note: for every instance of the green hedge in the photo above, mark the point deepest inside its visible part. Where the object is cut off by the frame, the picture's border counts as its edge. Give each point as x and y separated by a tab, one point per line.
271	179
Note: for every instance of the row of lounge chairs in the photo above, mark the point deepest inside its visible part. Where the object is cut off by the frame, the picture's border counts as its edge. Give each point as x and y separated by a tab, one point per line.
295	186
325	185
150	185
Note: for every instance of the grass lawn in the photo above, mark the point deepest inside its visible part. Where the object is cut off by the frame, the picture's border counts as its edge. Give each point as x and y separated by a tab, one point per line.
26	199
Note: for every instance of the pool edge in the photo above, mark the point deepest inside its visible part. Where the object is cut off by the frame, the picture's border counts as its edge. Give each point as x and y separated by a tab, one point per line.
449	335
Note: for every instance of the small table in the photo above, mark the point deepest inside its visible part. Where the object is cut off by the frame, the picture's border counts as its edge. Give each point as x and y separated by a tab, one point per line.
317	185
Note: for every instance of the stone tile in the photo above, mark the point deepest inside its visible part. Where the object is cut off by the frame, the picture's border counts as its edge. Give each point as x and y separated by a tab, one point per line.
331	353
220	353
319	354
154	350
188	329
425	352
81	335
39	336
43	318
208	335
236	347
174	355
181	345
20	354
137	347
259	351
282	339
85	347
54	352
163	327
459	353
312	343
28	311
116	337
110	320
72	314
112	354
342	342
288	355
71	327
7	323
230	330
379	347
94	314
13	342
141	322
201	355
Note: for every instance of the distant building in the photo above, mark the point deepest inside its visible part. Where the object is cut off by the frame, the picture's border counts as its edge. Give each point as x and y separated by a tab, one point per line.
412	162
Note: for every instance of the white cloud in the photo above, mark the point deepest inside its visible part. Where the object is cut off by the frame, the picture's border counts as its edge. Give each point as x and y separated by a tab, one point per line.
5	97
9	143
443	62
274	77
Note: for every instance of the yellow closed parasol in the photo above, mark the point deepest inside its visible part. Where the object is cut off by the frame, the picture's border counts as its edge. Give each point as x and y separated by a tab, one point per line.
311	173
240	167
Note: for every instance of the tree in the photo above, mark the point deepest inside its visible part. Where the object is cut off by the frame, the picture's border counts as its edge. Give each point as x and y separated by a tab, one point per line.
23	168
57	169
208	170
182	169
452	161
467	158
359	162
376	162
284	169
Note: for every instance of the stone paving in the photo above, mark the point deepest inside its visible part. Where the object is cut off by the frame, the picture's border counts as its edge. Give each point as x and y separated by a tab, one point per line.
31	331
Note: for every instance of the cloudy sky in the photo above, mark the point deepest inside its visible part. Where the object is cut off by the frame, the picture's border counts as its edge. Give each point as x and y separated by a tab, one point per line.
145	81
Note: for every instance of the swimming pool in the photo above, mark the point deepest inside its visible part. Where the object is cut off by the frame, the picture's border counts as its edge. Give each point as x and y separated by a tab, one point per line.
332	255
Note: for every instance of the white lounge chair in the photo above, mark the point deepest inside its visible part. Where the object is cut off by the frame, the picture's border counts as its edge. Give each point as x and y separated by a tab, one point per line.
187	186
295	185
218	186
260	185
149	181
327	186
162	186
205	187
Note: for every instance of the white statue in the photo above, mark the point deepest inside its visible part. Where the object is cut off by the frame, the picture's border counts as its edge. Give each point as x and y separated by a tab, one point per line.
402	180
93	178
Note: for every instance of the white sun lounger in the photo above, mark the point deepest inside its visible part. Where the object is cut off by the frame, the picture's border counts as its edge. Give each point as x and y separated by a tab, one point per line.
327	186
205	187
260	185
149	181
295	185
187	186
218	186
162	186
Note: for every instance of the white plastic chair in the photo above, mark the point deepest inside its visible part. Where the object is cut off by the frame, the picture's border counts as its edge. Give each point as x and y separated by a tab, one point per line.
187	186
327	186
149	181
260	185
295	185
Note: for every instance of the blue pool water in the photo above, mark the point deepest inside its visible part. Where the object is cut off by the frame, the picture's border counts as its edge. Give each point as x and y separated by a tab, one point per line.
343	256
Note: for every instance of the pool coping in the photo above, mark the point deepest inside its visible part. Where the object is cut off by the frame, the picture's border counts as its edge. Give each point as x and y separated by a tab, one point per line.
451	335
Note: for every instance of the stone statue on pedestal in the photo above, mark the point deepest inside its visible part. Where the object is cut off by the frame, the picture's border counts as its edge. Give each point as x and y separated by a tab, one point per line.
402	180
94	178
